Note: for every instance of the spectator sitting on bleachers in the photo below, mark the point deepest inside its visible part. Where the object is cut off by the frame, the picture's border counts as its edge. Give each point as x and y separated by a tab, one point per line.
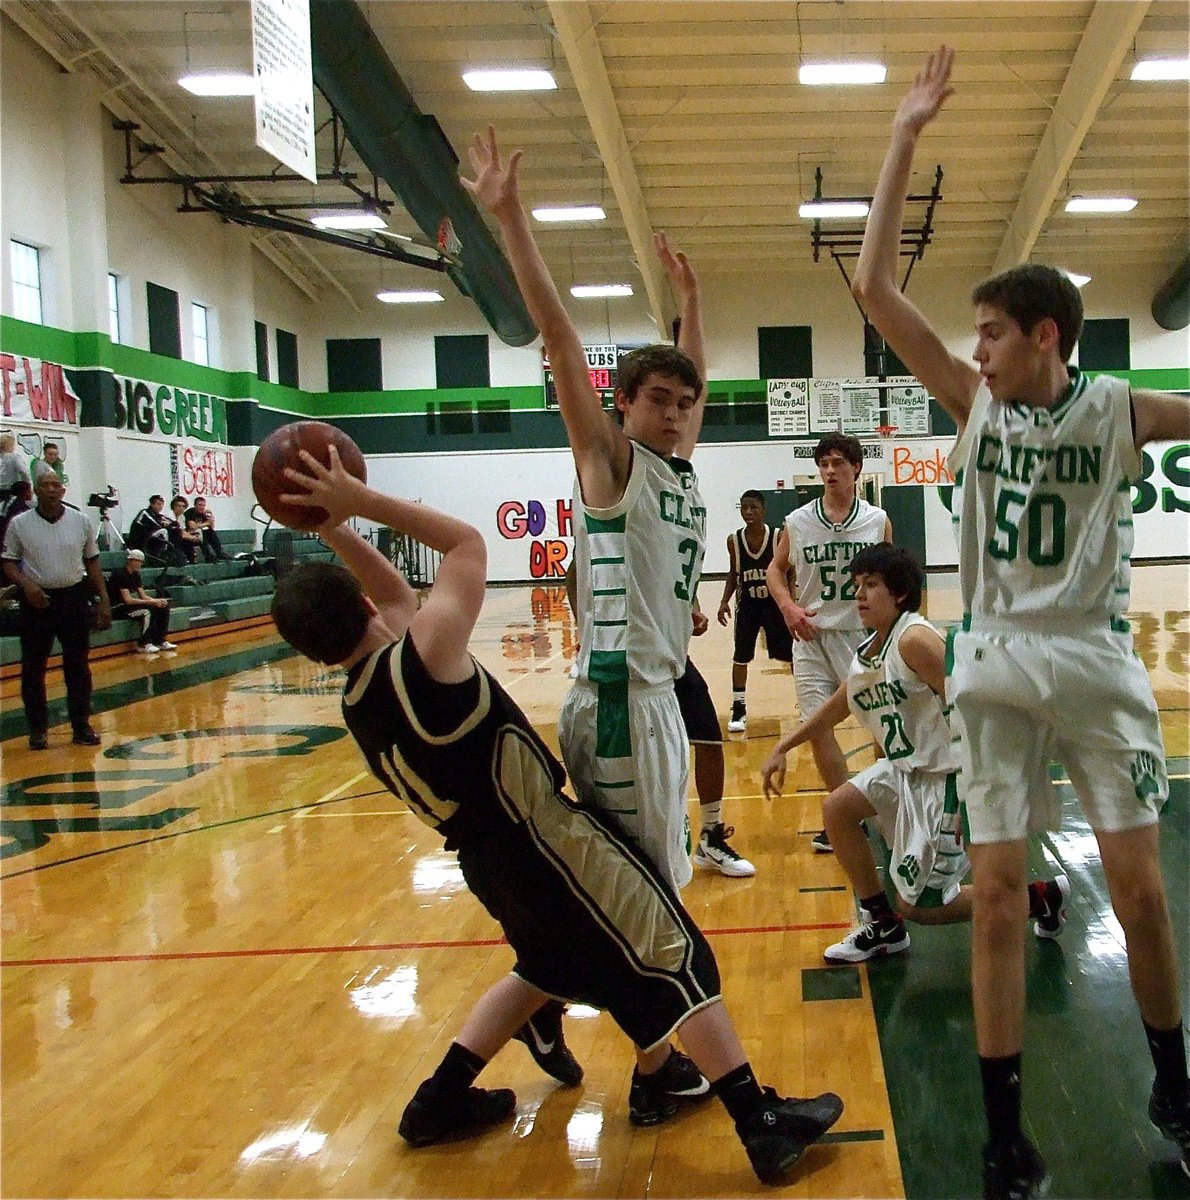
129	599
12	467
184	540
150	530
201	520
20	500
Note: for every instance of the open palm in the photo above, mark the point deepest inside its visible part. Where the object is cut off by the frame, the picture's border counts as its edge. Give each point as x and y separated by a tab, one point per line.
929	91
495	183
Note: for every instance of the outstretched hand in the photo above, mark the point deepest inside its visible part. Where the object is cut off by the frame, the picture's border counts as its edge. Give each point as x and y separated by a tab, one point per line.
495	183
929	91
772	775
677	267
332	488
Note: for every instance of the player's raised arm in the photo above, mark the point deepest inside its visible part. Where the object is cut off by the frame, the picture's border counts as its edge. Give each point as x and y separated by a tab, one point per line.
684	282
601	451
950	380
443	624
1160	417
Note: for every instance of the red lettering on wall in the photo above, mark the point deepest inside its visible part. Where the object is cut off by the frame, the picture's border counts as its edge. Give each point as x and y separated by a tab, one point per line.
927	471
207	473
565	519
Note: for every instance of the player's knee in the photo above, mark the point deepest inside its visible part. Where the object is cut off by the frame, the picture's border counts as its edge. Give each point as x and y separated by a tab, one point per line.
1139	901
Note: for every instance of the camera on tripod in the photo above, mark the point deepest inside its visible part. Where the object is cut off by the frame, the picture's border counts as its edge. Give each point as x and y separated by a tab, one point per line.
104	500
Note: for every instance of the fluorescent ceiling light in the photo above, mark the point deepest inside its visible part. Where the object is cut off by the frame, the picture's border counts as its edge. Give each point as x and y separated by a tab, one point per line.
219	84
580	212
1162	68
1075	278
589	291
1100	204
349	219
515	80
837	74
410	297
399	237
818	209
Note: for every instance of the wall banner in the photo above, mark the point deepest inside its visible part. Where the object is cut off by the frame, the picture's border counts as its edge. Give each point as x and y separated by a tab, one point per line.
34	390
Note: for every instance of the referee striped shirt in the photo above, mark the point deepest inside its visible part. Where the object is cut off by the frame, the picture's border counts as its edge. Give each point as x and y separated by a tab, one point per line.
51	553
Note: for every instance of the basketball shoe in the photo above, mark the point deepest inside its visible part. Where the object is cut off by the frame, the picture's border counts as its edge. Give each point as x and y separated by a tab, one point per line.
437	1114
657	1097
1047	903
870	940
542	1033
738	721
776	1136
1171	1116
714	851
820	843
1014	1172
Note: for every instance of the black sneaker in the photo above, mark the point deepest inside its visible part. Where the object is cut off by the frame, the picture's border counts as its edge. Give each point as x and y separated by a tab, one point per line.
1050	910
821	844
1014	1172
738	721
1172	1119
778	1134
542	1033
655	1098
436	1114
85	736
713	851
38	740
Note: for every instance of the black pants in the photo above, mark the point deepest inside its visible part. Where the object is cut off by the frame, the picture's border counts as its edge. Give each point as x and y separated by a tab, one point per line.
183	551
67	619
154	621
212	551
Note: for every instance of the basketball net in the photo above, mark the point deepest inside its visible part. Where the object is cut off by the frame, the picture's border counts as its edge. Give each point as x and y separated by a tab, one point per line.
449	245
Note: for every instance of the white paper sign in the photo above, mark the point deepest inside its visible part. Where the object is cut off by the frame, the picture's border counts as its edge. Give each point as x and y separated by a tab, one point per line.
861	406
789	407
284	83
908	406
825	401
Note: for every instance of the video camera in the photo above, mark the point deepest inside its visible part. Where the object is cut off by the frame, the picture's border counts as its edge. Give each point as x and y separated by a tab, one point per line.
104	500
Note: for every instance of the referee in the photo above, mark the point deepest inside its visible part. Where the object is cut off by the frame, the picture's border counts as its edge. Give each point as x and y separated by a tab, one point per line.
51	554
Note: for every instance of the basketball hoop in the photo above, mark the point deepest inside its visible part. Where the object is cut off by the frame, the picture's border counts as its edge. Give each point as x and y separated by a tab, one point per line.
886	431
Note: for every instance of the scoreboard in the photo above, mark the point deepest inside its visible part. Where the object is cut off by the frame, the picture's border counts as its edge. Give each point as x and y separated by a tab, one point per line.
602	363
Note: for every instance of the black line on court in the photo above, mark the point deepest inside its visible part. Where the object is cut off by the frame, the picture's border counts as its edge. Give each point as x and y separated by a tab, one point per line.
854	1135
276	812
838	888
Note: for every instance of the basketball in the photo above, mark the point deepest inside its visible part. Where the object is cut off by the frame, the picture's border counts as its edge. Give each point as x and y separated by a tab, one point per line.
282	449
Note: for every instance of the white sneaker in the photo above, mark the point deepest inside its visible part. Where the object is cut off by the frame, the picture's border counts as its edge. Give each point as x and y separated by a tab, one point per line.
148	648
713	851
738	722
167	646
868	941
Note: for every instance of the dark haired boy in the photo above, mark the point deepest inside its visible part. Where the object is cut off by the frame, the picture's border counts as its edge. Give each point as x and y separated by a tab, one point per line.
895	688
639	541
815	550
1043	668
749	553
587	913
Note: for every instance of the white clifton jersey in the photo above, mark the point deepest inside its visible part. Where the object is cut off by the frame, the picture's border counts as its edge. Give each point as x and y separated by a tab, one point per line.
1044	505
820	553
638	566
899	708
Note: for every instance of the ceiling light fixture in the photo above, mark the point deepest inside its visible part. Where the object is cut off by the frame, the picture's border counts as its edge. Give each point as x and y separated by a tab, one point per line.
818	210
579	212
1100	204
1150	69
840	74
349	219
219	84
591	291
1078	280
410	297
509	80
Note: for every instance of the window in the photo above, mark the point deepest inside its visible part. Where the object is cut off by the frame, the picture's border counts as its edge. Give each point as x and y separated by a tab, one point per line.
165	322
115	316
26	282
202	345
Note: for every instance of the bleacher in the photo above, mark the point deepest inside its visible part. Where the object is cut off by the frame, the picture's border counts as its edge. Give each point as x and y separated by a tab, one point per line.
211	598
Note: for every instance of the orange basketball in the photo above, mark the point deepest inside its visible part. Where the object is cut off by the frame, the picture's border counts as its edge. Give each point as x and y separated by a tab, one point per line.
281	449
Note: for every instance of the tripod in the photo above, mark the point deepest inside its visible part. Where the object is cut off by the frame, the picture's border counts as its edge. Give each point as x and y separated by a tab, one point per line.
112	539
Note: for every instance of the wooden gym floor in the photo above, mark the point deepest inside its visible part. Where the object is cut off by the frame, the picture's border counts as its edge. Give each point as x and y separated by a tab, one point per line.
228	959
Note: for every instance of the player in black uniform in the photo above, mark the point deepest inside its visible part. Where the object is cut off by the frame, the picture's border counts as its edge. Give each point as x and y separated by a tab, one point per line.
749	551
587	914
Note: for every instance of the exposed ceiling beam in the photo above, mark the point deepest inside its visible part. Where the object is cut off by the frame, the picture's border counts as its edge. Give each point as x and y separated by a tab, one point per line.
580	43
1107	37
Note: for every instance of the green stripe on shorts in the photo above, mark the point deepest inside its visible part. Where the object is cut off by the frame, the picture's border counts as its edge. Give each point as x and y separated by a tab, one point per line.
613	738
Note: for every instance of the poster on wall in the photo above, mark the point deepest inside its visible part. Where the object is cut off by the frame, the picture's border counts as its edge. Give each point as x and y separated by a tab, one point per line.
789	407
284	83
825	403
861	405
907	406
34	390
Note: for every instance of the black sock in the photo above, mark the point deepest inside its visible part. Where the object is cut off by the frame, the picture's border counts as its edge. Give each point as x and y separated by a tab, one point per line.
457	1071
740	1093
1002	1097
878	908
1168	1049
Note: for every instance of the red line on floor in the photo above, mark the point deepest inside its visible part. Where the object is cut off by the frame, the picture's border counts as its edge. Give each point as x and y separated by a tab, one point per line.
88	959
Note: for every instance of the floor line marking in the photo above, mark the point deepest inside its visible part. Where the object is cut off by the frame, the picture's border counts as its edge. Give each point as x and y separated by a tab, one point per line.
278	951
329	796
